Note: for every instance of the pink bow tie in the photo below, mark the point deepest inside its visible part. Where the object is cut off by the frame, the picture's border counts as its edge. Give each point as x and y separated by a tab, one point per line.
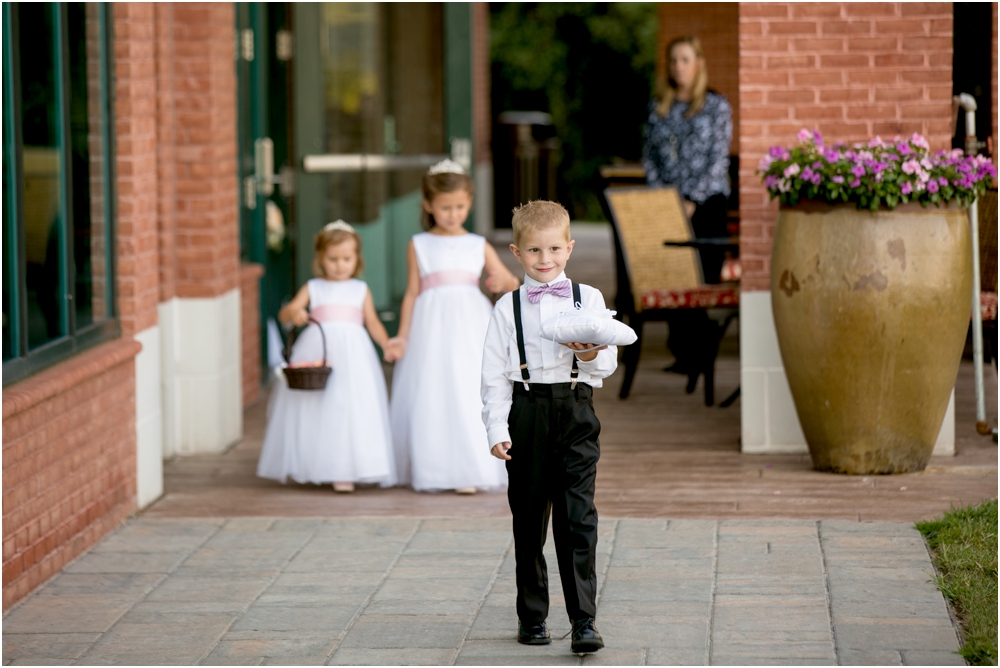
557	289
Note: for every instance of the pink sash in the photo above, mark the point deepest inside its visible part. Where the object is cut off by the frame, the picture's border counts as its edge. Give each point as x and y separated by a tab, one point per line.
338	313
456	277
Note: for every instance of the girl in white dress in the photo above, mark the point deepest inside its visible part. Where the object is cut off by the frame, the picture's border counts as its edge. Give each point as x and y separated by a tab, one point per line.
436	409
340	434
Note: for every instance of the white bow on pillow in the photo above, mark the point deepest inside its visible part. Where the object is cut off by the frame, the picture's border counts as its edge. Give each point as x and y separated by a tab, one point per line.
588	325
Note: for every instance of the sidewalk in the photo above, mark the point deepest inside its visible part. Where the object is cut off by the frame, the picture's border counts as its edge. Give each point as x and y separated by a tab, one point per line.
441	591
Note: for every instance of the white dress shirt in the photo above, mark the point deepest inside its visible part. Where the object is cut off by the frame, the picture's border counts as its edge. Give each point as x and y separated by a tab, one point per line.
502	365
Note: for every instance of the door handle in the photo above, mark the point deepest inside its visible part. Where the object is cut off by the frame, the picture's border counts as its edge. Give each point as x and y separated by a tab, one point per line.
263	162
461	152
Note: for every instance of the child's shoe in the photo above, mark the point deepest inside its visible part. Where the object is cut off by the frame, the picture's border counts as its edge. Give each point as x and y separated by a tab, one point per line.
465	490
533	634
585	637
343	487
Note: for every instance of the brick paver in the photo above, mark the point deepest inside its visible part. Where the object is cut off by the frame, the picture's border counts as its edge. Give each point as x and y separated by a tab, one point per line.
372	591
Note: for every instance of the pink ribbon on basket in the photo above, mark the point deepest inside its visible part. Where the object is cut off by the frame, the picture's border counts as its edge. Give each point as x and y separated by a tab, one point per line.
451	277
338	313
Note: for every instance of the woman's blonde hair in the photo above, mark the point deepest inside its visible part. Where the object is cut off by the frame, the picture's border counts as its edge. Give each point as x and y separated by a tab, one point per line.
667	87
445	182
331	236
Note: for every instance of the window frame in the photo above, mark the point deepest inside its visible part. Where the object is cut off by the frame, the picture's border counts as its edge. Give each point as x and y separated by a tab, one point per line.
23	361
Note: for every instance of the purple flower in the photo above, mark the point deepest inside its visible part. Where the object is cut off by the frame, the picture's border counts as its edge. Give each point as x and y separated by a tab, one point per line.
816	179
771	181
906	188
831	155
776	151
943	181
932	187
858	170
816	166
904	148
850	155
807	174
855	183
837	179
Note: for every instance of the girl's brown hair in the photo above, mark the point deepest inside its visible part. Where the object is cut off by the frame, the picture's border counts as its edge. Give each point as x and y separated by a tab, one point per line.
332	237
445	182
667	87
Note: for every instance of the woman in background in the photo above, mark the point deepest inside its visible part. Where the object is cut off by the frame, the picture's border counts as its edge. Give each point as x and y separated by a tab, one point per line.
687	146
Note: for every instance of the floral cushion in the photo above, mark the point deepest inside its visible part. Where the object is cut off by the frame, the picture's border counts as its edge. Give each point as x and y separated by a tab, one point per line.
988	305
702	296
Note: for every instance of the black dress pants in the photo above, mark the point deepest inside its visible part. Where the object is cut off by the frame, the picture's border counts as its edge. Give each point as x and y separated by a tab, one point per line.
551	472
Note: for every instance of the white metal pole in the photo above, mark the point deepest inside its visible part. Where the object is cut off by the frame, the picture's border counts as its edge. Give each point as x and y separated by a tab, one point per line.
971	148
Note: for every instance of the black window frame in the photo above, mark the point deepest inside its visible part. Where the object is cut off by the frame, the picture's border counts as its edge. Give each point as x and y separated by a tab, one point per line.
25	362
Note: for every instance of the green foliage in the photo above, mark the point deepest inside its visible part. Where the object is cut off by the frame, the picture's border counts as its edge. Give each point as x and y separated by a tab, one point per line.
592	67
964	545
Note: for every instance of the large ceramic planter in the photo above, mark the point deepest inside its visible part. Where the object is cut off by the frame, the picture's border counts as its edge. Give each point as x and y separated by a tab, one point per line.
871	311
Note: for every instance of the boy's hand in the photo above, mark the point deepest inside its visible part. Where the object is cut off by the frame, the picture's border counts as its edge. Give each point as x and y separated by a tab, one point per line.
500	450
300	317
588	356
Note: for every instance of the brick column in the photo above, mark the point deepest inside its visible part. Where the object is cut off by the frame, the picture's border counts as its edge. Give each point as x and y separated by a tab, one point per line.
199	228
852	71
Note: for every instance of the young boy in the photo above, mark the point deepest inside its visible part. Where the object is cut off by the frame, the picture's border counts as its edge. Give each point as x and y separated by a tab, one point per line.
539	415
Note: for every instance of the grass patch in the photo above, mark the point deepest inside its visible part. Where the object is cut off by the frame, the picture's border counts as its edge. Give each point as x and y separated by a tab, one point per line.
964	548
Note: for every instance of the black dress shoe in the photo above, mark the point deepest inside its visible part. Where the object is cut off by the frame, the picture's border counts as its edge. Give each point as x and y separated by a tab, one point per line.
533	634
585	637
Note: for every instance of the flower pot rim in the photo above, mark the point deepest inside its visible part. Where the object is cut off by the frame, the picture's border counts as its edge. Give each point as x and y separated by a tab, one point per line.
819	206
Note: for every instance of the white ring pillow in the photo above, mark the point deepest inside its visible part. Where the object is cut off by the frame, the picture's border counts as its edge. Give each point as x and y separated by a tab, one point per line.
588	325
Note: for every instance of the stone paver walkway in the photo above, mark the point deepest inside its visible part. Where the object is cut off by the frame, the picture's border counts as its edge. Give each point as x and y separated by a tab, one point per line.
441	591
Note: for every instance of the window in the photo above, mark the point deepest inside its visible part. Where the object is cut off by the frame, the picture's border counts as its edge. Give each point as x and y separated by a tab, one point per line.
58	184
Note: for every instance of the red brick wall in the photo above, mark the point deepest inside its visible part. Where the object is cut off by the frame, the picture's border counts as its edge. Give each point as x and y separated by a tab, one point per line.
481	114
204	94
851	70
135	125
166	152
69	470
716	24
250	275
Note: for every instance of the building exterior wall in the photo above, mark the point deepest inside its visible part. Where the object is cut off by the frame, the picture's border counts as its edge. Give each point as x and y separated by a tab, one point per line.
69	462
84	440
852	71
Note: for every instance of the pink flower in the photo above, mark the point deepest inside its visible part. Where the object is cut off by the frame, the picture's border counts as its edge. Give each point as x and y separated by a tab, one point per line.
837	179
943	181
791	170
906	188
855	183
765	163
932	187
804	135
911	167
876	142
904	148
919	141
858	170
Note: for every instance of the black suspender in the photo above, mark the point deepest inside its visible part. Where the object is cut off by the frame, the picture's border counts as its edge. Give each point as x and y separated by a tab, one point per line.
516	300
525	376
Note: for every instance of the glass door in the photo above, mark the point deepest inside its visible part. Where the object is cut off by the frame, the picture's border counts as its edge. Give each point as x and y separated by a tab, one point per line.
370	114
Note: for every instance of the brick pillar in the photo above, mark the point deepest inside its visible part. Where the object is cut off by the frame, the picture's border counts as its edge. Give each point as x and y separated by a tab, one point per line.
138	237
852	71
482	118
199	228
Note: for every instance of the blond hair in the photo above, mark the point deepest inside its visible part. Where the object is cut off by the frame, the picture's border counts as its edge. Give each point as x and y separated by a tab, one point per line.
332	237
539	215
445	182
667	88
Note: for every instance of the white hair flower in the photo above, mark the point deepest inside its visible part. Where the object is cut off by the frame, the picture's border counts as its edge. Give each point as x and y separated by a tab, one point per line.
338	225
446	166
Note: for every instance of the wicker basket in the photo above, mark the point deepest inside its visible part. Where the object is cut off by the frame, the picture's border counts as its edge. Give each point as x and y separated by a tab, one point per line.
306	377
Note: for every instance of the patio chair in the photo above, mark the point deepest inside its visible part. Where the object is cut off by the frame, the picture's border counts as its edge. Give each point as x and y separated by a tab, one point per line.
655	280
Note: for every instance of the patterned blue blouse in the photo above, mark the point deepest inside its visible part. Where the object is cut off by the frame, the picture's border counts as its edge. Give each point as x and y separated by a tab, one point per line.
692	154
